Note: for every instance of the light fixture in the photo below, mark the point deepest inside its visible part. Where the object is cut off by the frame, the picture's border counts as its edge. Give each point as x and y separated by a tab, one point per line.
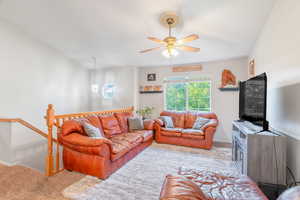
94	86
170	53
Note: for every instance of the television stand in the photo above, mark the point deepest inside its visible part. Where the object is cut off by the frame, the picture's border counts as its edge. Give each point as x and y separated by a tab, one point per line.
253	152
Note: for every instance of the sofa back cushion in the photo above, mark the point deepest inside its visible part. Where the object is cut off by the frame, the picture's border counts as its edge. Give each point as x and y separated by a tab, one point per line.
110	125
177	117
191	116
123	120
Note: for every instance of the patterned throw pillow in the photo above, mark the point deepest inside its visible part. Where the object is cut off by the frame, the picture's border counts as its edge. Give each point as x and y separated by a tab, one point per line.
200	122
135	123
167	121
92	131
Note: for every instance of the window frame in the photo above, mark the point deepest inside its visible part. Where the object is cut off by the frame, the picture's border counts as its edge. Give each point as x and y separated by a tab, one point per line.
186	94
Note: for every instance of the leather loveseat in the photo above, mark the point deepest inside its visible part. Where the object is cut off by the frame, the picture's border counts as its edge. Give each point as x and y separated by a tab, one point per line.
102	157
182	133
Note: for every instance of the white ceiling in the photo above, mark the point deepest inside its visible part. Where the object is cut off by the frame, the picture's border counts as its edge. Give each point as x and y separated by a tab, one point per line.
115	30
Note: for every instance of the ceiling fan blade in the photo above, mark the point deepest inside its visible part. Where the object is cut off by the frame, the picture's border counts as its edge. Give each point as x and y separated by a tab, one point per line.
156	40
188	48
152	49
188	39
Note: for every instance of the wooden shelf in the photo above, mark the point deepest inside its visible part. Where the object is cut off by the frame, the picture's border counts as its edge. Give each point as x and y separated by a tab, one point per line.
150	92
229	89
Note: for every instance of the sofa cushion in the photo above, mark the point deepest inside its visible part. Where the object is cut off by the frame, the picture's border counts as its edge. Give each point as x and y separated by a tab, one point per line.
180	188
110	125
123	120
123	143
146	134
192	134
135	123
171	132
122	150
177	117
191	116
167	121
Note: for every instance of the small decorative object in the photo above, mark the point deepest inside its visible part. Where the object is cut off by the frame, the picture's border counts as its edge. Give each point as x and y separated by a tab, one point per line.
228	79
251	68
157	88
145	112
151	77
151	89
148	88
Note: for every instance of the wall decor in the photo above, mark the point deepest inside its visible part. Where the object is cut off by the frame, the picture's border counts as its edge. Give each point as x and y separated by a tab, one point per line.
190	68
251	68
228	82
151	77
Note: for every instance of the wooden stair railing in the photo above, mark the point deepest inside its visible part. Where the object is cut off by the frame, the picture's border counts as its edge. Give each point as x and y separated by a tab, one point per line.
53	120
28	125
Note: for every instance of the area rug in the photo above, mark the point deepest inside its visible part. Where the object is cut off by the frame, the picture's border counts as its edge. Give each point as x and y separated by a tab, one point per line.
142	177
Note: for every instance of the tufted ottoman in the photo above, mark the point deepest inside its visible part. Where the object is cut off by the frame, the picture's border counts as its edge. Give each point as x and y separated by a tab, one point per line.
191	184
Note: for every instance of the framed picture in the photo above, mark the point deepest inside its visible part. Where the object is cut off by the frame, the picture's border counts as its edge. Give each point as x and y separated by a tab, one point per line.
151	77
251	68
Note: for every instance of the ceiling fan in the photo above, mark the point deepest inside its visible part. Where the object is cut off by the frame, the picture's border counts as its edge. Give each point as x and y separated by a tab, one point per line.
171	43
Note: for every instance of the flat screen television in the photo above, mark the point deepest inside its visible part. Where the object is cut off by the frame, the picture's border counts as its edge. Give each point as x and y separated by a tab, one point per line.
253	100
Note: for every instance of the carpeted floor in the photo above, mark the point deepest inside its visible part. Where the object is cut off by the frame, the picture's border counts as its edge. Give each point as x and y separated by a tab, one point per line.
142	177
21	183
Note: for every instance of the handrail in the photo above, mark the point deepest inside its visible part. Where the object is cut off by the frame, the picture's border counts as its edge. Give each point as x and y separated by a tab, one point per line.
53	120
26	124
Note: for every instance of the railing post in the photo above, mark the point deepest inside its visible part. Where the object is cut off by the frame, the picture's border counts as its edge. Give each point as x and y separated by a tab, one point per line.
50	122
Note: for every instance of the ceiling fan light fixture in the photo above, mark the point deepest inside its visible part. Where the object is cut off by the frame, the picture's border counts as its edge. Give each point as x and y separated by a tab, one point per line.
168	54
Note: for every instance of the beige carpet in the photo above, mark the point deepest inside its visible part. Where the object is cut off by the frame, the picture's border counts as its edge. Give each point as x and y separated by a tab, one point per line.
21	183
142	177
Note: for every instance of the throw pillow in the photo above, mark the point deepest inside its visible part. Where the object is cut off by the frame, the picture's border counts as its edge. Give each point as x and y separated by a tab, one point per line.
167	121
200	122
92	131
135	123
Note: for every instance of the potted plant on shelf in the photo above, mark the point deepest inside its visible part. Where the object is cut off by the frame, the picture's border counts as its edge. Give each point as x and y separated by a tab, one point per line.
145	112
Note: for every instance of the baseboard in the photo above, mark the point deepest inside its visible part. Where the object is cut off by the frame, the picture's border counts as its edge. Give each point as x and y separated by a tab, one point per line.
222	144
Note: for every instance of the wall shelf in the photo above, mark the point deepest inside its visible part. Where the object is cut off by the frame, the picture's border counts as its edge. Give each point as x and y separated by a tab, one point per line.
150	92
229	89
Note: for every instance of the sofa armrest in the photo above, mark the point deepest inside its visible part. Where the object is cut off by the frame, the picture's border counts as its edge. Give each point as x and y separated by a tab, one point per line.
212	123
148	124
159	122
85	144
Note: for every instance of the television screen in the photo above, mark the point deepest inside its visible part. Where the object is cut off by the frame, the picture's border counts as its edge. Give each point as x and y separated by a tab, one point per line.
253	99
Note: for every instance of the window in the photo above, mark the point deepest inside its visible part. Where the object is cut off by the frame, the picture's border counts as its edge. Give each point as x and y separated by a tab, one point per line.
108	90
188	95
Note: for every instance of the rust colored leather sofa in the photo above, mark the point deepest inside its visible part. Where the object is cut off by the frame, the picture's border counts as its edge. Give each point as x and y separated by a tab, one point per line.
207	185
182	133
102	157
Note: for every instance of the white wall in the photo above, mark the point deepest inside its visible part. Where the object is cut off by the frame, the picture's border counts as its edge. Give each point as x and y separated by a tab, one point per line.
277	52
32	75
224	104
124	79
